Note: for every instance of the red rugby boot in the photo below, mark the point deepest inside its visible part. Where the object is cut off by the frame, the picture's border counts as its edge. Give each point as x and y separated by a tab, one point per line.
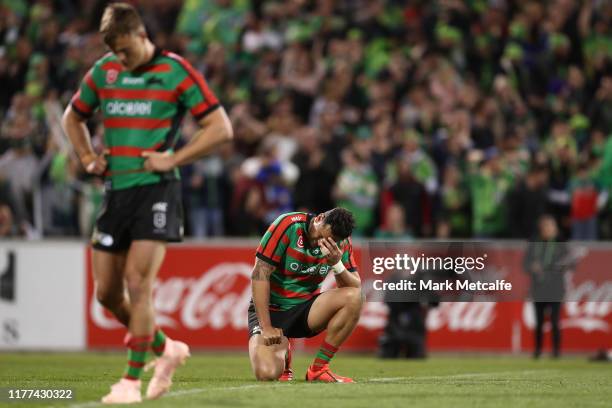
324	374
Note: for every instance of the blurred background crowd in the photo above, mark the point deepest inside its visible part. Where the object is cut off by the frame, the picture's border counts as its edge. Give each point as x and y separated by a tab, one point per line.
442	118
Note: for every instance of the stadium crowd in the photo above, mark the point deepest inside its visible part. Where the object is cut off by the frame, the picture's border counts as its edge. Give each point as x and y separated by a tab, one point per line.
442	118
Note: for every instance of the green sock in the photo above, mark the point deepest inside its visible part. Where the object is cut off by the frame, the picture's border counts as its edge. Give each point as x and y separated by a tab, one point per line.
324	356
137	355
159	342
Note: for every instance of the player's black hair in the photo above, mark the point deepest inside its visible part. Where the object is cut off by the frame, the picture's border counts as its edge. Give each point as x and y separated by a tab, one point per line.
341	221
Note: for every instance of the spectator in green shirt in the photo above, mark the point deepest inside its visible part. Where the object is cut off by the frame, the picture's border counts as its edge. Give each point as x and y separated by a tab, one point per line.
488	185
357	187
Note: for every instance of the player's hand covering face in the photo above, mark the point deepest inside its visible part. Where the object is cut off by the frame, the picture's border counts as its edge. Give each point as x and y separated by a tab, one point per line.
330	248
319	230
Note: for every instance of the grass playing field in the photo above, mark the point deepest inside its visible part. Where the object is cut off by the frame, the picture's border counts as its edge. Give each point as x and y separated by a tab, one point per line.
224	380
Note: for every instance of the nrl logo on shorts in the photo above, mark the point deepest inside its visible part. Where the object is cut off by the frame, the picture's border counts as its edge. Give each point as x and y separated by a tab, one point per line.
159	214
159	220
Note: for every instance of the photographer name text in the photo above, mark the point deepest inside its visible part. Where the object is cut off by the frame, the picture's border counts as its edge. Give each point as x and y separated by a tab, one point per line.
447	285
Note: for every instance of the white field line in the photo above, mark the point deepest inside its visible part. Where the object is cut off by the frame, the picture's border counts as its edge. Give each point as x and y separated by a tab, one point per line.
386	379
455	376
194	391
190	391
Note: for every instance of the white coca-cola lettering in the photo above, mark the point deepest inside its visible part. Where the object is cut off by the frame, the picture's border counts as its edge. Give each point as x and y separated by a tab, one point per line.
374	312
213	300
373	316
100	317
167	299
461	316
588	309
218	298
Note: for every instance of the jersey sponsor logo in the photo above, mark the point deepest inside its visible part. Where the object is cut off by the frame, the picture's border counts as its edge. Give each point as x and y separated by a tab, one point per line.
300	242
111	76
155	81
320	269
129	108
133	81
296	218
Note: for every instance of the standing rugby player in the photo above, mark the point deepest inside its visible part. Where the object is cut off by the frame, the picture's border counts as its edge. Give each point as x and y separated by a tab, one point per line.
142	92
293	258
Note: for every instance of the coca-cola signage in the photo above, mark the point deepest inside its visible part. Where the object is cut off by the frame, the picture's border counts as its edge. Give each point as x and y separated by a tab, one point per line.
202	295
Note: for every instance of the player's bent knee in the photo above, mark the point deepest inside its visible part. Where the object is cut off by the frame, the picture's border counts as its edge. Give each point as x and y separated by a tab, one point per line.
137	284
354	297
267	372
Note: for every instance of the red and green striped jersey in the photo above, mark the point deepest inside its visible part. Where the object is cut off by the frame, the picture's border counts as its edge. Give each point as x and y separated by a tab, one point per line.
300	268
142	110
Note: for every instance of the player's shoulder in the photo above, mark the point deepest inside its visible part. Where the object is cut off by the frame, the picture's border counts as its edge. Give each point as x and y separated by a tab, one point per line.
292	218
106	62
105	69
288	223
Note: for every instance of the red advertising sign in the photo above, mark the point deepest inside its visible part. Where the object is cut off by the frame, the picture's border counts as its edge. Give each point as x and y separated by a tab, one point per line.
202	294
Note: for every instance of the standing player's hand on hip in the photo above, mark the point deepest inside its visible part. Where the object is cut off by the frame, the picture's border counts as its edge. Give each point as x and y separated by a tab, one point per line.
159	161
272	335
329	247
95	164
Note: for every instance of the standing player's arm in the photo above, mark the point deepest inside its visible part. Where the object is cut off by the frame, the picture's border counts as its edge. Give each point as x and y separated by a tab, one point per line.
76	129
261	299
344	278
215	128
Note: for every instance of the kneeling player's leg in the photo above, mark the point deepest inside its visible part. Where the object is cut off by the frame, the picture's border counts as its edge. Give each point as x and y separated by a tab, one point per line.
337	311
109	283
267	362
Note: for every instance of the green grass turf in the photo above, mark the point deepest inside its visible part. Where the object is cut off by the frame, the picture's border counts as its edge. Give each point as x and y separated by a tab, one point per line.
225	380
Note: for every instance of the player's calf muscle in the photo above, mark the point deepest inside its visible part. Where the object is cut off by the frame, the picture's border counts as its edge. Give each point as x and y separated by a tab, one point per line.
139	290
